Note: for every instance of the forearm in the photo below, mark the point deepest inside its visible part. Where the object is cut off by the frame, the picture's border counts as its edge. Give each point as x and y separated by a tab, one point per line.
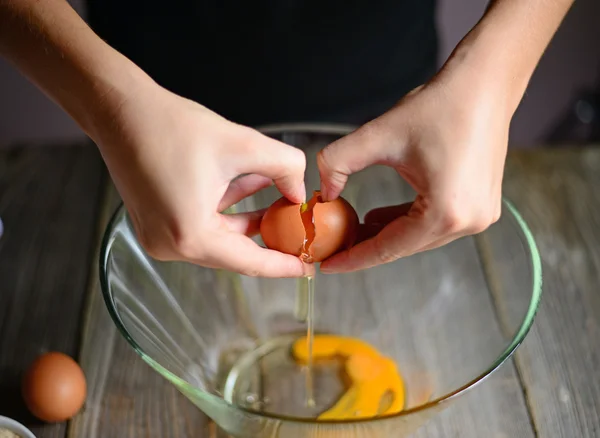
504	48
50	44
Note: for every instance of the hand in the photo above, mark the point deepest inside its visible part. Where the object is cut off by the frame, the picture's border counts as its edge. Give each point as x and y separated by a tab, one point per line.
176	165
448	139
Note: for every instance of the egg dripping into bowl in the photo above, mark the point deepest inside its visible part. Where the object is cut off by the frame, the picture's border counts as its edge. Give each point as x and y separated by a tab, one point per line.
314	231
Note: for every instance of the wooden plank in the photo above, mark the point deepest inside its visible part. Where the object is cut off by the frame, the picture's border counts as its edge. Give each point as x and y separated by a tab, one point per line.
558	193
48	202
432	313
126	397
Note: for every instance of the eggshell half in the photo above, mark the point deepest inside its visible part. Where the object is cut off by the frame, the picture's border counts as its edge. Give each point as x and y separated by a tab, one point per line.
335	224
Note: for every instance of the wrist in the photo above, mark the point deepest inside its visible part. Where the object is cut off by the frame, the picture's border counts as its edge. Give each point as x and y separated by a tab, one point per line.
107	89
51	45
502	51
478	68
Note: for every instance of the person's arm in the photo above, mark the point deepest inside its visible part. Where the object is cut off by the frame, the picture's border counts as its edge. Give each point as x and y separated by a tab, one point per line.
507	43
51	45
175	163
447	138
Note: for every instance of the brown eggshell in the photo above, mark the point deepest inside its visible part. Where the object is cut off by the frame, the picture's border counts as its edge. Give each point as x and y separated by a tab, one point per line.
336	227
54	387
281	227
335	224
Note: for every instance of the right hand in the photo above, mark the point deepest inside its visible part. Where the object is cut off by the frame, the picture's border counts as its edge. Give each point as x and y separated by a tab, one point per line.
176	166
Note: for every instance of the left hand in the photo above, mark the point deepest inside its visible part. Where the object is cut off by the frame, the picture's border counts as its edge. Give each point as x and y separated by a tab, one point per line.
448	139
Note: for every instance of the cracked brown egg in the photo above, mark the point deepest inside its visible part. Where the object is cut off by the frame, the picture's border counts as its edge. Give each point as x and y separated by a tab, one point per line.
315	230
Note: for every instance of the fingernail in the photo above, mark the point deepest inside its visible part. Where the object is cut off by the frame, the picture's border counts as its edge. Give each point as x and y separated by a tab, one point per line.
324	193
326	269
329	271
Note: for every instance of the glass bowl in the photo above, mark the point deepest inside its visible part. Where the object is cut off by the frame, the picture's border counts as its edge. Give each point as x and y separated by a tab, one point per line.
447	317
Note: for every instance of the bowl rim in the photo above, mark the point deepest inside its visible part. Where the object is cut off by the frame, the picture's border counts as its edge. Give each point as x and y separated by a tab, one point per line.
15	427
332	129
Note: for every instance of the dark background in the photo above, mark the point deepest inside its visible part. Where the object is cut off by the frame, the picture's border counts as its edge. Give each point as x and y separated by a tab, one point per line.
571	66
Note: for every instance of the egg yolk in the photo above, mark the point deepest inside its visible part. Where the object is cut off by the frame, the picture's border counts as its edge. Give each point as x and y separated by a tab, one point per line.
373	377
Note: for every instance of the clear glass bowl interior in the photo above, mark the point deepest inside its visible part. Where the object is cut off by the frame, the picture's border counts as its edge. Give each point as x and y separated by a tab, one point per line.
448	317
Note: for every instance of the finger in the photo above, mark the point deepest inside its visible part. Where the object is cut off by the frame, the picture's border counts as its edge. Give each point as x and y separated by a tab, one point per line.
378	218
415	90
441	242
367	231
278	161
384	215
420	229
243	187
370	144
451	237
238	253
247	224
402	237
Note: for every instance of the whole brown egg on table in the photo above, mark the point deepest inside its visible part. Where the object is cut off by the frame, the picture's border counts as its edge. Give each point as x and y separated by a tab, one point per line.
54	387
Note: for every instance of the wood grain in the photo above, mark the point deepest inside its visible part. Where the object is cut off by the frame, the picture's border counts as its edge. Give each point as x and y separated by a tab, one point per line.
558	193
49	199
126	397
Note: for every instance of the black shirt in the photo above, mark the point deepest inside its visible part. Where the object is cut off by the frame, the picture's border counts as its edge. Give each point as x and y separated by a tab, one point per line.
259	62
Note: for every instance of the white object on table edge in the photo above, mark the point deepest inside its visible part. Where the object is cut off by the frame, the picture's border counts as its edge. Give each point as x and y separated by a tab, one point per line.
16	427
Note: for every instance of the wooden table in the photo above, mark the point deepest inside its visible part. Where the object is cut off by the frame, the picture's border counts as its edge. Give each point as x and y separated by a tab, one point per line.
55	202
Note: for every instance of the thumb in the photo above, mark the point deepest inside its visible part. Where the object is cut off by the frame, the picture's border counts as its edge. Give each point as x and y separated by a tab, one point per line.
376	142
282	163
